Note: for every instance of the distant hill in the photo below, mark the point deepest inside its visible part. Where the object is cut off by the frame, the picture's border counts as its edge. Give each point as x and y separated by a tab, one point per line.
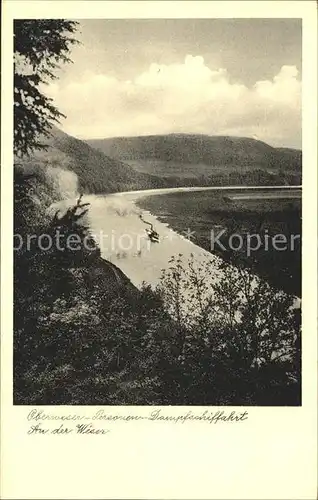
97	173
133	163
192	156
295	155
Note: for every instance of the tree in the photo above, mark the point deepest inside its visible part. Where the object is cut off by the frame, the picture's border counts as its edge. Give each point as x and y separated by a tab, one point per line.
40	47
241	338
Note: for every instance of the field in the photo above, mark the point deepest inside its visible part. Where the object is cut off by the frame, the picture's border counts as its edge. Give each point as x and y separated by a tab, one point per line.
162	168
212	217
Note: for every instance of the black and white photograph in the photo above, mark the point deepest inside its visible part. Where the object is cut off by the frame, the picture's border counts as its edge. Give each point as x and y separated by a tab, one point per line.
157	212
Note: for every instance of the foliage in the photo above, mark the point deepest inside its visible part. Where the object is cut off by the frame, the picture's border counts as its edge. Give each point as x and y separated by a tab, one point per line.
84	337
40	47
240	343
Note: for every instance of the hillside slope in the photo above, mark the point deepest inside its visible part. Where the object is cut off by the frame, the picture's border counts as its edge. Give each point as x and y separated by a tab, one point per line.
97	173
194	155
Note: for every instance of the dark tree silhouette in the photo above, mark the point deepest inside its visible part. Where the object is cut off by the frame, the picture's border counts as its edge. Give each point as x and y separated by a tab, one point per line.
40	47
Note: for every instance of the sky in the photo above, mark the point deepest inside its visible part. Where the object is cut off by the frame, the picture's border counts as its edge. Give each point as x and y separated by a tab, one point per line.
131	77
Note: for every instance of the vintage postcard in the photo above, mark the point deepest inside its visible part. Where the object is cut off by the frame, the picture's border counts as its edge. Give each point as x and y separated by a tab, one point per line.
159	235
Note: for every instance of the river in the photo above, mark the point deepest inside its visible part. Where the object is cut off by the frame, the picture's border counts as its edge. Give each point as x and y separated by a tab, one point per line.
120	233
115	223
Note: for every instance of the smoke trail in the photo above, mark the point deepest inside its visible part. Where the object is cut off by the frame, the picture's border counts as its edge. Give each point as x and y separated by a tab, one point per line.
65	182
114	205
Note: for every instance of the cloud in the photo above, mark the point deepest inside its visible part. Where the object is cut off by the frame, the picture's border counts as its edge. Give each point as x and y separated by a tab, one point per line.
185	97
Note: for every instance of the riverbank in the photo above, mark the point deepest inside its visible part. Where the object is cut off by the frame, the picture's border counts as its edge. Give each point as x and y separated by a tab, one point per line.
85	336
185	219
241	227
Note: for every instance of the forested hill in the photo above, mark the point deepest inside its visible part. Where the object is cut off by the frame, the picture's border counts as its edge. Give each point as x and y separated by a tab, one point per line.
199	149
97	173
127	164
217	158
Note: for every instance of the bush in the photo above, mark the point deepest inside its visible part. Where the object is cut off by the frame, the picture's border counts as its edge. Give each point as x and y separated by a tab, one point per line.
85	336
239	340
